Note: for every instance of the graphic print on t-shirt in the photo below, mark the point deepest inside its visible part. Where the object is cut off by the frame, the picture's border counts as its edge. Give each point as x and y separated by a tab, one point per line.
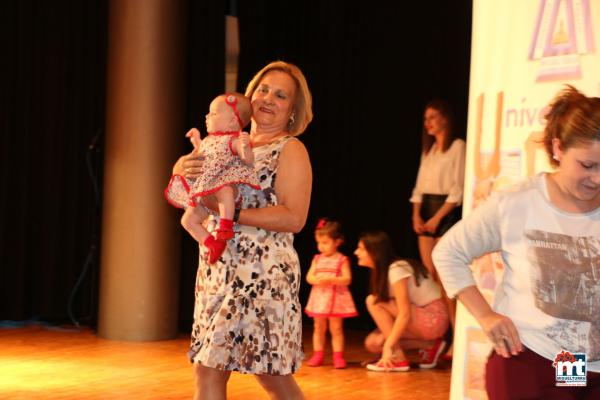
566	284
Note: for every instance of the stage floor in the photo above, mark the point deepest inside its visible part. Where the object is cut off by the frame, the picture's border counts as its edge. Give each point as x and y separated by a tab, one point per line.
43	363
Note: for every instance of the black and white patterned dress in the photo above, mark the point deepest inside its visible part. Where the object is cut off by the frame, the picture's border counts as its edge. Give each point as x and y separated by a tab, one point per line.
247	315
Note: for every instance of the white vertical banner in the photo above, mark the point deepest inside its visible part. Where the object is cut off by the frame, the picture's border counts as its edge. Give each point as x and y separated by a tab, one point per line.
523	52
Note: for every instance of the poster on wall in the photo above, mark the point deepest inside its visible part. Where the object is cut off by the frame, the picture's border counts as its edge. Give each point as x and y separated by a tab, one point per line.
522	54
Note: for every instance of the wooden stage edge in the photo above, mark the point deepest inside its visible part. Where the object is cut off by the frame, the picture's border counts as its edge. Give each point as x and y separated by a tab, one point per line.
44	363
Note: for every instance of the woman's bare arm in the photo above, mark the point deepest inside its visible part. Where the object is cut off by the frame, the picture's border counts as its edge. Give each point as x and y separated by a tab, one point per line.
293	186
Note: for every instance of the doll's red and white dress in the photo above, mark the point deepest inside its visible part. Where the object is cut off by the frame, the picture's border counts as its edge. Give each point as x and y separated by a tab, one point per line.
221	166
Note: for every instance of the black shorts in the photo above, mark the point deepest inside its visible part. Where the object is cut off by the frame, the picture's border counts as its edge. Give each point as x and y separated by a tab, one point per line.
430	204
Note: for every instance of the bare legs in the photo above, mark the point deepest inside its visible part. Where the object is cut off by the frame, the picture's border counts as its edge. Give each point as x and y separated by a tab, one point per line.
336	328
211	384
319	332
194	217
384	314
281	387
192	220
426	245
374	343
226	199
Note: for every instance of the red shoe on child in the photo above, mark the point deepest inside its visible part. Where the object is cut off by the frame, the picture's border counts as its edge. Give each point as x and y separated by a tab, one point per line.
338	361
316	360
225	229
215	248
225	234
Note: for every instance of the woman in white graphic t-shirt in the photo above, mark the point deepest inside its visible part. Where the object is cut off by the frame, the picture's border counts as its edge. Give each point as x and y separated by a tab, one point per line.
547	307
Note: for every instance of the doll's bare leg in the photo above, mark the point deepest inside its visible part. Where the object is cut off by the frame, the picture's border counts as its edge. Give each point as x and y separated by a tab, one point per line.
226	199
192	220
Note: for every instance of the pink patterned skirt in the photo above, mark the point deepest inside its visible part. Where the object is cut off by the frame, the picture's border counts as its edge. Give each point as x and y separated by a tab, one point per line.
430	321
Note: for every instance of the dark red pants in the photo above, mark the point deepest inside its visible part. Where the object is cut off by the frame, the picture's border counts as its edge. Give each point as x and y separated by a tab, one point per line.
531	376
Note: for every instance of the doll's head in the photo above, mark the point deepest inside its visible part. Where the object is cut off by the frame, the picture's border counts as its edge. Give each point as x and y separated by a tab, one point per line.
228	112
329	236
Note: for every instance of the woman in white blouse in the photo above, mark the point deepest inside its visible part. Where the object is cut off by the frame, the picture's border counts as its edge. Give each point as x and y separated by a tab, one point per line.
438	193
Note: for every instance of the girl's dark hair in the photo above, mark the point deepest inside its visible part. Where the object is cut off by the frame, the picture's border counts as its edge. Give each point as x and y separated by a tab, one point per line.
445	110
574	119
329	227
379	246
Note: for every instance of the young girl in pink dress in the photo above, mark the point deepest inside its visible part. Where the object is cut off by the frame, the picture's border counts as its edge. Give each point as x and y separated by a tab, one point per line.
329	300
227	161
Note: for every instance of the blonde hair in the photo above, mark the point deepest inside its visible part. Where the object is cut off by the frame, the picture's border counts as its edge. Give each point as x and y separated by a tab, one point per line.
302	112
573	119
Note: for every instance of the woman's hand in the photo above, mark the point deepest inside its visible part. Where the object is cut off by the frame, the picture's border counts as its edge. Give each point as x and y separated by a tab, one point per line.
190	165
503	334
499	328
418	225
431	225
387	357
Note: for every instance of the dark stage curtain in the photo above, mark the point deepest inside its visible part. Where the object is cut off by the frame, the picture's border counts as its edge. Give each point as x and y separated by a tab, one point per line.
52	109
206	80
371	68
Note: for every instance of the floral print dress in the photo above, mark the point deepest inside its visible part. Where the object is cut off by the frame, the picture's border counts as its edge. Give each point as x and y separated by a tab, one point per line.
247	315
